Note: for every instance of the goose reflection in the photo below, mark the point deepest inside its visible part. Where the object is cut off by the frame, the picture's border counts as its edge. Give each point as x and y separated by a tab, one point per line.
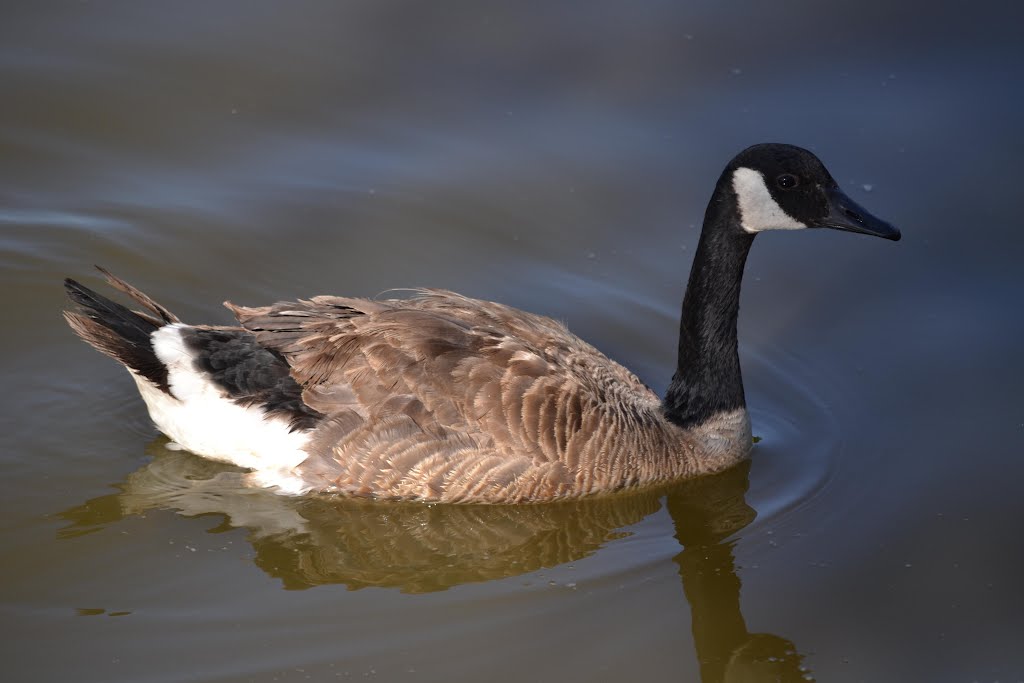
706	512
306	542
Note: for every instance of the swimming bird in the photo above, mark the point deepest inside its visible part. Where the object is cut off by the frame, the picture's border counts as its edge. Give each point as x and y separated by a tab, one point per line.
443	398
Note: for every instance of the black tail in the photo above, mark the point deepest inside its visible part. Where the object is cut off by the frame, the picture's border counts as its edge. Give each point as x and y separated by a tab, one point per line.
117	331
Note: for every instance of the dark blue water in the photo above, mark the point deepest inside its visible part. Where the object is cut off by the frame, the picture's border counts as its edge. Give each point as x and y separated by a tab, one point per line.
556	157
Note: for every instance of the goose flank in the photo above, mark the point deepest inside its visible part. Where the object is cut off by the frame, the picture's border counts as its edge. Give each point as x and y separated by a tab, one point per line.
444	398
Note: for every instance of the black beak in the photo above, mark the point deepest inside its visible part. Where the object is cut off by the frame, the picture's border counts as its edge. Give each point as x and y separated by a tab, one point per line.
846	214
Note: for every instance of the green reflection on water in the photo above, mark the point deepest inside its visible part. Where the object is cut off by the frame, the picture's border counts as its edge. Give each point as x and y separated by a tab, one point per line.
313	541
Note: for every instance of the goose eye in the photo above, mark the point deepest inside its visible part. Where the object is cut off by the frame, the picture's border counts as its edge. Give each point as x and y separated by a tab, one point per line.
787	181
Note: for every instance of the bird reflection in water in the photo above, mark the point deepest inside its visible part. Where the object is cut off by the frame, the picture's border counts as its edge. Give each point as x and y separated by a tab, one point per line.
313	541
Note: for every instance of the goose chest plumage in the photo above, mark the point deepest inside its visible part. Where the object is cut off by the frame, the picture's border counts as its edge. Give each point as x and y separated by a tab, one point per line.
444	398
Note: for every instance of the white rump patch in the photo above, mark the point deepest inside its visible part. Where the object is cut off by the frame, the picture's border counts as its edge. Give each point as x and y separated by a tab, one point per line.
758	210
206	422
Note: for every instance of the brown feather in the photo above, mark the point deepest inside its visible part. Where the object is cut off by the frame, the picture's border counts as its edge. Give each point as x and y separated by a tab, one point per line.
162	313
442	397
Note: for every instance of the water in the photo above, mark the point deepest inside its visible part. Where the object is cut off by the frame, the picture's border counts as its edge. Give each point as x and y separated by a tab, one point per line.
558	158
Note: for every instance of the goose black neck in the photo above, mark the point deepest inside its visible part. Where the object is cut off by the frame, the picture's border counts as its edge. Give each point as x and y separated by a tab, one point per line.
707	380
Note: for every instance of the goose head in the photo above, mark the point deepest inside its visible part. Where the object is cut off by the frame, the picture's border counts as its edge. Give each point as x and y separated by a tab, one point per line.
783	187
764	187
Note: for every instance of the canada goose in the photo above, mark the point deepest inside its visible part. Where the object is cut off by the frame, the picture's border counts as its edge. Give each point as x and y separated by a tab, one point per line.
445	398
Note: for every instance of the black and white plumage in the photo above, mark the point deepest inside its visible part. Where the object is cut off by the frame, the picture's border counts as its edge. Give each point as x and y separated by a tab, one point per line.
440	397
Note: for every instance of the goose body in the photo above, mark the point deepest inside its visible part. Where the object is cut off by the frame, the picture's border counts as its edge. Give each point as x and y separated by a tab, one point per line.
440	397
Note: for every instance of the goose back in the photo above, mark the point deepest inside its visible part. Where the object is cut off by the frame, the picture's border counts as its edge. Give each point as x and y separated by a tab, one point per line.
444	397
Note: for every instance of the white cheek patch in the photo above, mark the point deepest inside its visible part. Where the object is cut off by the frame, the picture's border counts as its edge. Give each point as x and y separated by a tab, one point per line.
758	211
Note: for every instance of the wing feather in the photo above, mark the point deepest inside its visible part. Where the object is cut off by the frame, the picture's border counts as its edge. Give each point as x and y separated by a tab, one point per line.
440	392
